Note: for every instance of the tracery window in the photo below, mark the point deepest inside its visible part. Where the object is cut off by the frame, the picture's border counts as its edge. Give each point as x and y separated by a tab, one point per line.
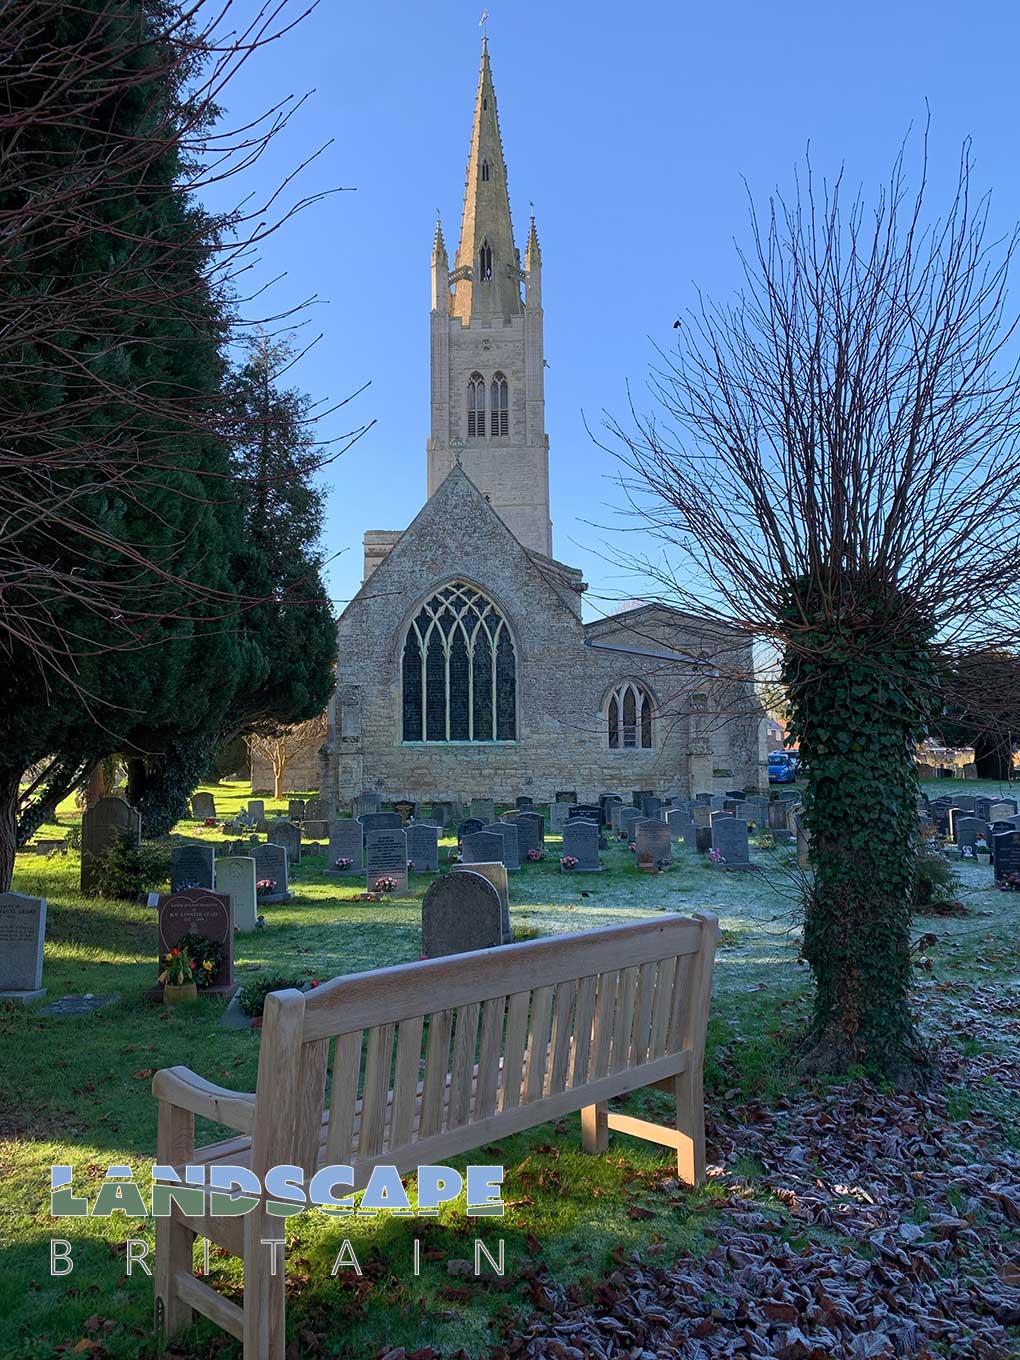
485	169
476	406
485	262
499	406
459	670
629	716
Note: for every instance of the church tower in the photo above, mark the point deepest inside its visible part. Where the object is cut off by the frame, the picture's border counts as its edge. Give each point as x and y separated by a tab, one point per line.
488	398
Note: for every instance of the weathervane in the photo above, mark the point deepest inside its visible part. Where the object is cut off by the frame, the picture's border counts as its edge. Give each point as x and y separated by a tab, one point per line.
481	24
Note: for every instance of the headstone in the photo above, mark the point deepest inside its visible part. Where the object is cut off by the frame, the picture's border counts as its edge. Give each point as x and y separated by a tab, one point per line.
511	855
803	845
997	828
22	932
346	841
566	795
235	876
702	814
677	820
271	863
530	833
316	810
197	911
469	826
524	802
296	809
587	812
703	798
581	840
652	845
283	832
629	818
191	866
386	857
964	801
444	814
423	848
729	837
366	803
1000	810
460	913
314	829
982	803
203	805
483	810
651	807
969	830
559	815
380	821
638	796
1006	853
482	847
406	809
738	794
101	827
778	818
496	874
257	812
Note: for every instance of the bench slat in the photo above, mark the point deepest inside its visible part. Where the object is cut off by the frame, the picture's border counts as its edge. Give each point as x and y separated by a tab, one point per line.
641	1030
405	1081
513	1048
605	1012
624	1020
311	1095
562	1032
584	1018
437	1064
538	1044
489	1045
344	1096
665	977
458	1106
376	1093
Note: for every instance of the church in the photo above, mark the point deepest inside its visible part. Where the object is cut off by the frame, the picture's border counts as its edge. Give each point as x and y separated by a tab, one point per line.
465	667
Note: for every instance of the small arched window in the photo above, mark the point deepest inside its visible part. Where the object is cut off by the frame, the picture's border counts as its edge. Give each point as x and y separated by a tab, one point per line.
476	406
629	717
459	670
485	262
485	169
499	406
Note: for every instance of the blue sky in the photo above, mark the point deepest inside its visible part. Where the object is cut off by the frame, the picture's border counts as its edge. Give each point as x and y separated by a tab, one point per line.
632	128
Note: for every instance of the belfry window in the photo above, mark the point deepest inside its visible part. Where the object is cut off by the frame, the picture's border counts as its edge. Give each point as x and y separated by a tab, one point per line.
629	717
499	407
476	406
485	262
485	169
459	670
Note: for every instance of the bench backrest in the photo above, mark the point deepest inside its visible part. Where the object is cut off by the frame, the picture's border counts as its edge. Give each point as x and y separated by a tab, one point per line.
477	1046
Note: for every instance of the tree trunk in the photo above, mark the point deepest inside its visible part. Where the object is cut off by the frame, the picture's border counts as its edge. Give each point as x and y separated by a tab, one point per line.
993	757
9	782
98	785
137	780
278	781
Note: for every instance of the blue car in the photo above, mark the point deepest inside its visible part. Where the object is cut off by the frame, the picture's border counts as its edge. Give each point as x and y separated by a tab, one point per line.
782	767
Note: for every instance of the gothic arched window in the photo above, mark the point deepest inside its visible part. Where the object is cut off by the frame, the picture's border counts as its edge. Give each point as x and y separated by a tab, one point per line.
485	169
476	406
459	670
629	717
499	406
485	262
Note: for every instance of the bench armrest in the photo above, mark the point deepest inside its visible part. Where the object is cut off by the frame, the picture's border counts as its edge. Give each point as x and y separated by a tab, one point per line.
188	1091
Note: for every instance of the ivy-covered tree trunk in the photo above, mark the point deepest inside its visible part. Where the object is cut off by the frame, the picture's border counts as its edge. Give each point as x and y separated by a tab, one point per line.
9	782
858	701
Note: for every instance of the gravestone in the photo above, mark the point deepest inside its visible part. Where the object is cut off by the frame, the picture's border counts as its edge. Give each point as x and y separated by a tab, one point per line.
629	818
963	801
235	876
366	803
969	830
738	794
982	804
271	862
511	855
581	840
257	812
524	803
469	826
203	805
566	795
102	826
460	912
652	845
677	821
316	810
386	857
729	837
483	847
283	832
443	812
530	833
483	810
616	811
703	798
346	841
296	809
559	815
803	845
380	821
1000	810
638	795
651	807
22	932
940	816
423	848
778	817
197	911
702	814
406	809
314	829
191	866
586	812
496	874
692	834
1006	853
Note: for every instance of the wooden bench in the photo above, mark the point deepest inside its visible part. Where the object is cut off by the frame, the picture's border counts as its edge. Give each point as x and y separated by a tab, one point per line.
480	1045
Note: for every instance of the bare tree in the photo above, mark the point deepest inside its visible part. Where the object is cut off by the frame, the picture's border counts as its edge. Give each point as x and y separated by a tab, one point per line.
282	747
835	472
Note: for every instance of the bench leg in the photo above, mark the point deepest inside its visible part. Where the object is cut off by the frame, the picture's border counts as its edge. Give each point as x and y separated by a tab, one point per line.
690	1122
265	1299
175	1143
595	1128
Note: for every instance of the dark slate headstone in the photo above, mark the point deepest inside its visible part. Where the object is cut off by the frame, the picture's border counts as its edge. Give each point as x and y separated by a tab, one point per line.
496	874
469	826
1006	853
969	830
678	820
703	798
406	809
386	857
296	809
22	932
283	832
566	795
737	794
637	795
559	815
482	847
257	812
271	863
196	911
191	866
982	806
530	833
316	810
628	819
523	802
586	812
314	829
729	837
101	827
443	812
652	845
581	840
346	841
366	803
203	805
651	807
483	810
460	912
511	855
423	848
380	821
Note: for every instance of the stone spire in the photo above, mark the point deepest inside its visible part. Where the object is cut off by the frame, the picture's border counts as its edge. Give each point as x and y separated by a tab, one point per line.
533	268
440	271
487	270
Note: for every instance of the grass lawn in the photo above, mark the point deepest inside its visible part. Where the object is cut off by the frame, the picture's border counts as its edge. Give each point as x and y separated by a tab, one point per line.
77	1091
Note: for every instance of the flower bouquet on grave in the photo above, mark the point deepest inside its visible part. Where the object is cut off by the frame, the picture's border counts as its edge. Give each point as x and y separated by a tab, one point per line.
568	862
385	884
265	886
178	976
206	957
715	857
1010	883
342	863
210	821
766	841
534	856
